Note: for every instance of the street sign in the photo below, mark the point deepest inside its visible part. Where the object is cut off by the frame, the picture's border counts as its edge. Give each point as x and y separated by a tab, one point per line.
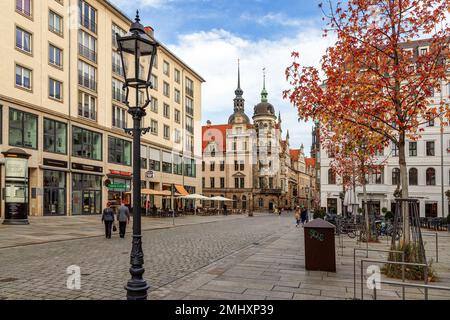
117	187
150	174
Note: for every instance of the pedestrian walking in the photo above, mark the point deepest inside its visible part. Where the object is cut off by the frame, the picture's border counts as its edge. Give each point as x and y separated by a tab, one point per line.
303	215
108	220
297	216
123	216
225	210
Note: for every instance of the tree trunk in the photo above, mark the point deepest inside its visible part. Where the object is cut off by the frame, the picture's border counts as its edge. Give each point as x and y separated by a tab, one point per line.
366	213
404	184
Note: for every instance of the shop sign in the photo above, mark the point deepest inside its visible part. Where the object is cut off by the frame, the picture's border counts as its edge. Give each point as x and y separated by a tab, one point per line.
117	187
55	163
120	173
85	167
16	168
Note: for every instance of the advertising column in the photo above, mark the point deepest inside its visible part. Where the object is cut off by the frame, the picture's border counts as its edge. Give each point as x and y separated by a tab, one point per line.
16	186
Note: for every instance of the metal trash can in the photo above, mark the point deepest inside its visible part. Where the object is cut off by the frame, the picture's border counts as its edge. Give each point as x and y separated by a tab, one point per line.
320	254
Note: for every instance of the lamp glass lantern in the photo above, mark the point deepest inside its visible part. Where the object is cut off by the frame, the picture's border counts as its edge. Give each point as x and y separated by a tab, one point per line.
137	52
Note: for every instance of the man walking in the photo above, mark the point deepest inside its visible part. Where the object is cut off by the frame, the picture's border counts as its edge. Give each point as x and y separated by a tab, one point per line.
124	218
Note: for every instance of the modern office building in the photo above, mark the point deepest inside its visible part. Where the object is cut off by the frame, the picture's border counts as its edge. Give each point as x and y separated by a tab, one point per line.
62	102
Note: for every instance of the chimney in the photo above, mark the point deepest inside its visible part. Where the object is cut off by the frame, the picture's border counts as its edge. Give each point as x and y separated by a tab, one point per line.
150	31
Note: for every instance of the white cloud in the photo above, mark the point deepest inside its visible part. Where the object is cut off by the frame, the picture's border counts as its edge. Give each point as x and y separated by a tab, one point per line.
214	54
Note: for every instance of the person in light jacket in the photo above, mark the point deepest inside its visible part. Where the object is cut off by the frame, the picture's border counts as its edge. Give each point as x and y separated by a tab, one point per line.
123	215
108	220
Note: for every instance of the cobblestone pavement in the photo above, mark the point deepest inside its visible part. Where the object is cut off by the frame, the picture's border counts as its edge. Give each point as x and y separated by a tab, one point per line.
39	271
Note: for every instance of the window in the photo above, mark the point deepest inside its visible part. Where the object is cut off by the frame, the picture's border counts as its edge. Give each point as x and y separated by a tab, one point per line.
189	167
236	165
166	132
55	136
423	51
178	164
24	7
430	122
114	30
242	183
155	160
119	117
203	166
212	166
177	76
236	183
413	149
144	160
177	116
189	87
177	96
87	75
154	82
118	91
167	162
222	183
55	89
375	176
177	137
412	176
117	64
222	165
22	129
270	183
154	105
87	46
395	176
23	77
190	125
261	202
23	40
55	23
86	144
119	151
166	110
395	150
55	56
189	143
212	182
166	68
87	106
430	148
166	89
154	127
331	176
189	106
87	16
203	183
430	177
241	165
431	209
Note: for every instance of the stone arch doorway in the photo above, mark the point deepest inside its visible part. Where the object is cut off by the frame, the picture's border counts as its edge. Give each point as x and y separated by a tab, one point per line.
244	203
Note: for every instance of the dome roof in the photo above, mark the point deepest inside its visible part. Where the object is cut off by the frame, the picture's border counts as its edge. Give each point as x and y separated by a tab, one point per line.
264	109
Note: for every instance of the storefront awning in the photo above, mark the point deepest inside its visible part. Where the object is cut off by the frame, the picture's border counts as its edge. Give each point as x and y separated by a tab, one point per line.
181	190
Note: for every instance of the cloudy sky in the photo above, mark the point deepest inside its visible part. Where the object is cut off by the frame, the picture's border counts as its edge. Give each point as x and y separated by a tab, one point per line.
210	35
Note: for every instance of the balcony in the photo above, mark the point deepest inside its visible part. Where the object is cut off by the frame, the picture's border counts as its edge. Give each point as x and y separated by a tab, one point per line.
87	53
88	23
86	81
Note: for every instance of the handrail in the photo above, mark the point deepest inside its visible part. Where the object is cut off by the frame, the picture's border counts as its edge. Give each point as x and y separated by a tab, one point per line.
373	250
411	285
395	262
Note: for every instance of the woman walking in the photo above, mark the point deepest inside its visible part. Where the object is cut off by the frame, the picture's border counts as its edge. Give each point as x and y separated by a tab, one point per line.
304	215
297	216
108	220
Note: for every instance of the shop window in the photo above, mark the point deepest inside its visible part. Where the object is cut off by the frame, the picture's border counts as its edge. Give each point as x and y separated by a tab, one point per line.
86	144
119	151
55	136
22	129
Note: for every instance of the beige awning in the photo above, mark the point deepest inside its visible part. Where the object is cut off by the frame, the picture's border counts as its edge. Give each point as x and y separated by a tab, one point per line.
181	190
151	192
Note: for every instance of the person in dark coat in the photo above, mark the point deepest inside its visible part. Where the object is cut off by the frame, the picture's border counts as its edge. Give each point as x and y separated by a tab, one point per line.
304	215
108	220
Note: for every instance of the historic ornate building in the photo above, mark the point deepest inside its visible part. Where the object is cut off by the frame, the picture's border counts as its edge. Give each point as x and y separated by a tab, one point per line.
251	163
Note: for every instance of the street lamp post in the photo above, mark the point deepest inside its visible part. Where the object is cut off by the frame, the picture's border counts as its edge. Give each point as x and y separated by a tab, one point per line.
137	49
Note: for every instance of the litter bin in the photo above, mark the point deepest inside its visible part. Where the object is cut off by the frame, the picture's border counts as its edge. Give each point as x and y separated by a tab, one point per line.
320	254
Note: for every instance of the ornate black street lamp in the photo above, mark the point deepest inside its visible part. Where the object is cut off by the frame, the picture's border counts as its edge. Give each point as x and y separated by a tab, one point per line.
137	51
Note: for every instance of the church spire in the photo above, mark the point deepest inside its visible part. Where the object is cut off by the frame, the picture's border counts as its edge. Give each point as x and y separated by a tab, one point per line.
264	93
238	100
279	116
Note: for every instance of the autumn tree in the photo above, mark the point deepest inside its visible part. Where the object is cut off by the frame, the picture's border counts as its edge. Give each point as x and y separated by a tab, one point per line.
355	156
370	79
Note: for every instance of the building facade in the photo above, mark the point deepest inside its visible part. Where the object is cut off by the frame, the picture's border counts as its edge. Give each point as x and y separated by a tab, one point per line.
427	160
62	101
249	161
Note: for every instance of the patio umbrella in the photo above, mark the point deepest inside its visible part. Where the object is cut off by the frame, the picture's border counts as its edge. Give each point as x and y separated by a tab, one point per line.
219	198
195	197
